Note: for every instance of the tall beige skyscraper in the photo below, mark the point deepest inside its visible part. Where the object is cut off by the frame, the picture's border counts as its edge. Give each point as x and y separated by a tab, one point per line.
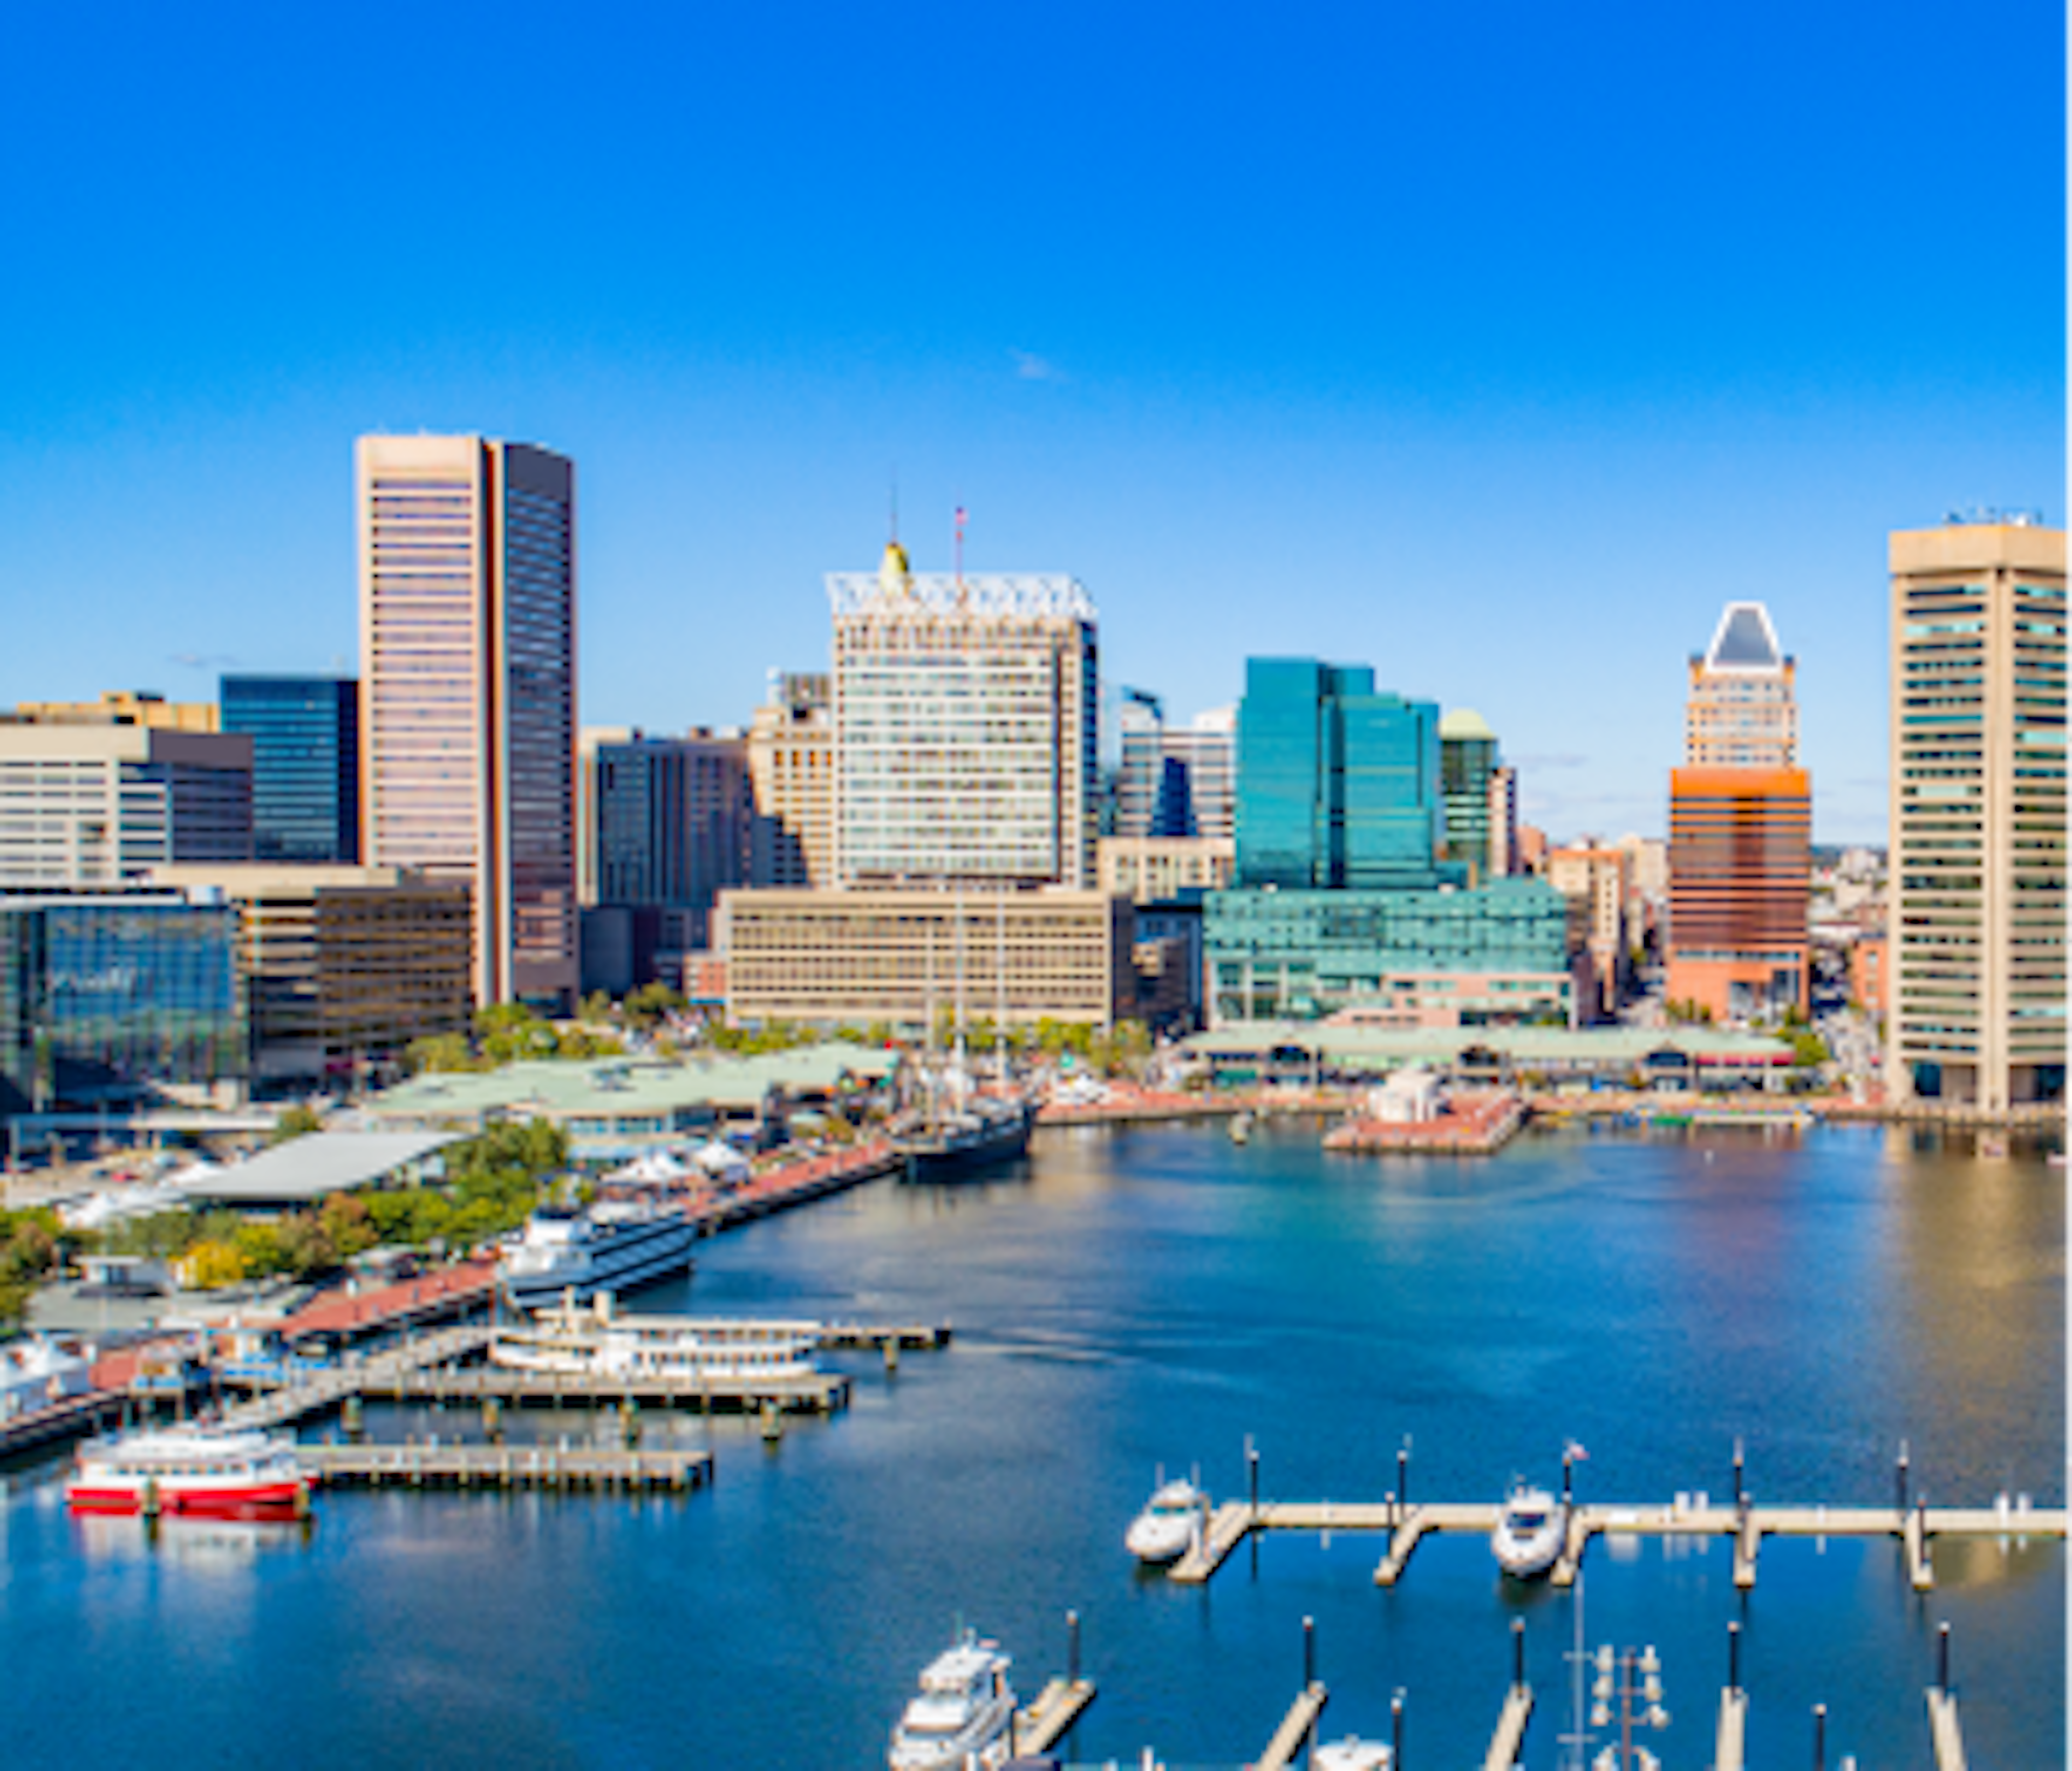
1977	869
468	715
1743	709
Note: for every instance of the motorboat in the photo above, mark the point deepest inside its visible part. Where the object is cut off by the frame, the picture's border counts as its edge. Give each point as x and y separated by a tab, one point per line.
962	1715
982	1132
1169	1526
596	1342
1240	1128
1353	1754
614	1246
195	1472
1531	1530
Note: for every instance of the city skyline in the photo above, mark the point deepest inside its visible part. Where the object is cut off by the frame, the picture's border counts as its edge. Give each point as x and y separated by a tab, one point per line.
1579	373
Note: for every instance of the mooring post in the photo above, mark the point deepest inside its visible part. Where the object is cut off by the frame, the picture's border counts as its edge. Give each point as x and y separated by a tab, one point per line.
1309	1652
1403	1475
1517	1653
1820	1737
1943	1660
1733	1657
1567	1475
1072	1646
1739	1490
1251	1470
1396	1733
1899	1478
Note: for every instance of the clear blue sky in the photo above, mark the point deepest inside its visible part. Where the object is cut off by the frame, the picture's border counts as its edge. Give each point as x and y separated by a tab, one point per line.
1494	345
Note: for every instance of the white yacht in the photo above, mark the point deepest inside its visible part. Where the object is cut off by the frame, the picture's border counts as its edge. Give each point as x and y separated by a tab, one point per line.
1352	1754
611	1247
1169	1526
596	1342
1531	1528
963	1712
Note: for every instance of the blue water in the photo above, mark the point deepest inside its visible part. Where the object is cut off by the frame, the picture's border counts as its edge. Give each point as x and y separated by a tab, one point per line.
1154	1297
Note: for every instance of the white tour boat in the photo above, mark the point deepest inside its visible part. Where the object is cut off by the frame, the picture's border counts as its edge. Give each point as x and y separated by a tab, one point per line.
614	1246
192	1471
597	1343
962	1715
1531	1528
1352	1754
1170	1525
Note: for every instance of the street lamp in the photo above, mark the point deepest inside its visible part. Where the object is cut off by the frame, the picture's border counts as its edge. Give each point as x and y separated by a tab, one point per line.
1626	1694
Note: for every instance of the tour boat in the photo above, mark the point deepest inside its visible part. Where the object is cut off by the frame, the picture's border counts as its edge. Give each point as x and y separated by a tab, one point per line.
1170	1525
1352	1754
597	1343
1531	1529
614	1246
963	1715
192	1471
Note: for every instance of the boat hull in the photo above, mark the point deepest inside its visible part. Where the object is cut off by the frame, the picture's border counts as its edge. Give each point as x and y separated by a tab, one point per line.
286	1500
660	1255
949	1159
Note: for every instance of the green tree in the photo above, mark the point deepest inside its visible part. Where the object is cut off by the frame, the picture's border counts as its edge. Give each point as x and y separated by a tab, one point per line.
439	1053
297	1121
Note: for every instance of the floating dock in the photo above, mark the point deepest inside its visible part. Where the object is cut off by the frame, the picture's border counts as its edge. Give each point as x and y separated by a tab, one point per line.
1286	1745
1047	1721
590	1469
1406	1525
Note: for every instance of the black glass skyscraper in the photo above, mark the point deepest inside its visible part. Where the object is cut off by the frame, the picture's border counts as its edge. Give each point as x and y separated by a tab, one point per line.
305	732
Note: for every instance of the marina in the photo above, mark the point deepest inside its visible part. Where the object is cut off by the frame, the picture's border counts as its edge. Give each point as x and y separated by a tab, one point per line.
568	1470
1159	1293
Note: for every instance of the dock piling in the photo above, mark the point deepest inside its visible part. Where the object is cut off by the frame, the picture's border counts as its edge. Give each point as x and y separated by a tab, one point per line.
1942	1659
1739	1492
1072	1645
1820	1737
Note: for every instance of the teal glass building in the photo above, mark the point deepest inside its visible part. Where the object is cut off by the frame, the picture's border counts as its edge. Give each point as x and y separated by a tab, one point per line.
1338	786
1274	955
1467	759
108	1000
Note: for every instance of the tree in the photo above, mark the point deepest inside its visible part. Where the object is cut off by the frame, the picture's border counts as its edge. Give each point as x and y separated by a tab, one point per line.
297	1121
439	1053
1809	1051
212	1265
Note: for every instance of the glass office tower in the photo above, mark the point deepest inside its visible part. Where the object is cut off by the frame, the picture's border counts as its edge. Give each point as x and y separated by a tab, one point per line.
1338	785
305	732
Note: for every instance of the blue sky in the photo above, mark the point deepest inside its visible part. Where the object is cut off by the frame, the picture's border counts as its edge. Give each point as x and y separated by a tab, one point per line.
1497	346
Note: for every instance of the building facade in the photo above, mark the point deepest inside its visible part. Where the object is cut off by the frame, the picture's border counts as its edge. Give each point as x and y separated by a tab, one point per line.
1497	952
1468	767
1977	886
96	804
1176	781
467	624
1742	712
791	776
121	707
1597	881
1338	785
966	714
305	733
1155	869
1741	832
672	828
117	1000
343	966
909	958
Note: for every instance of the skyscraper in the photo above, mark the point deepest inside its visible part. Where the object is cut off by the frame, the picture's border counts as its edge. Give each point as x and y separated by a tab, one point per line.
791	771
1467	769
966	713
305	732
672	831
1740	830
1976	951
1338	785
467	624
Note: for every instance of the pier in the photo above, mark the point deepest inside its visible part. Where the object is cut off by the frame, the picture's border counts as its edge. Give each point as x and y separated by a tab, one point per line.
1289	1738
1407	1526
590	1469
1049	1718
819	1392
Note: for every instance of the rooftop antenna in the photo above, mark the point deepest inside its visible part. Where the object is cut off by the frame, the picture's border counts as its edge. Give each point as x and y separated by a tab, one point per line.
960	549
892	505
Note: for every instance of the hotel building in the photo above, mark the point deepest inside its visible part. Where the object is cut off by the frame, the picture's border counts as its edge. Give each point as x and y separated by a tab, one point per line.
467	625
966	714
1976	984
1740	830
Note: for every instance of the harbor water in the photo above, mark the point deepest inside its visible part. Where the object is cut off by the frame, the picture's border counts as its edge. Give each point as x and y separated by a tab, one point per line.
1158	1297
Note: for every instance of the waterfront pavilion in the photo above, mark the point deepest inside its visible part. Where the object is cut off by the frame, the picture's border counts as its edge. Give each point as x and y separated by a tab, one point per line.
306	1170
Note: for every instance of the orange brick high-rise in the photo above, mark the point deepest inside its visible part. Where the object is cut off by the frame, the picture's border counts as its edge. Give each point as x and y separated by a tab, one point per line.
1741	832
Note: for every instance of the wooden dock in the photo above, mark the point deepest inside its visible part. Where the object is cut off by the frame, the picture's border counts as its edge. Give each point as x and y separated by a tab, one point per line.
358	1377
1509	1739
70	1418
1729	1749
1047	1721
819	1392
593	1470
1946	1737
1407	1526
1295	1726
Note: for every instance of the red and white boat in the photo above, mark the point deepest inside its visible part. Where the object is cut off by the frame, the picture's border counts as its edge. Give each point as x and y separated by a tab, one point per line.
192	1471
